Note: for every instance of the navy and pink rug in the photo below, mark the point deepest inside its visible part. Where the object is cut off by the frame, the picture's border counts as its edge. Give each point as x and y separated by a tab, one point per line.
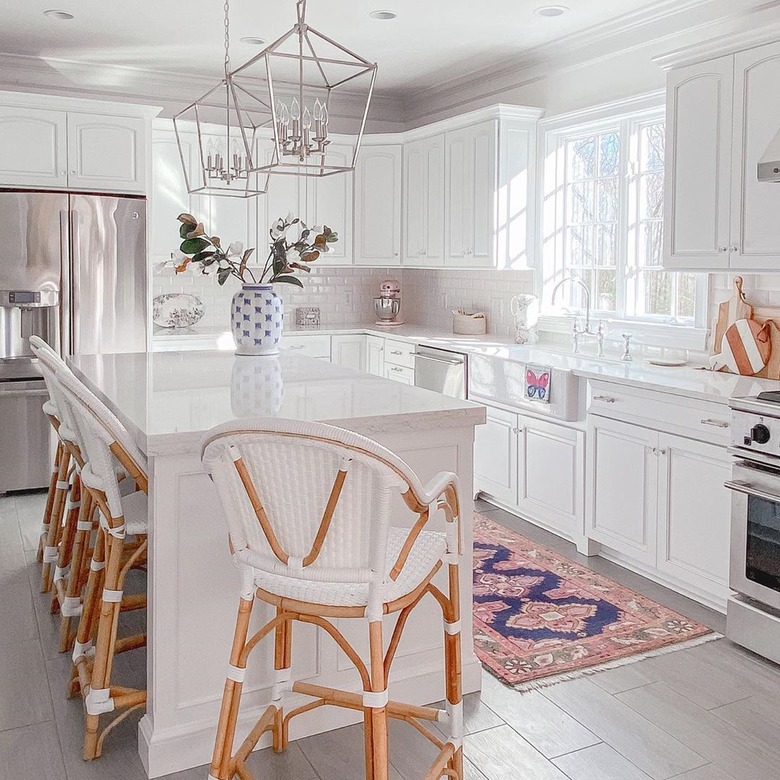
540	618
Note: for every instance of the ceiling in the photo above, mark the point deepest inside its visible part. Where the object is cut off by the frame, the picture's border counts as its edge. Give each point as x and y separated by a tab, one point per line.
429	42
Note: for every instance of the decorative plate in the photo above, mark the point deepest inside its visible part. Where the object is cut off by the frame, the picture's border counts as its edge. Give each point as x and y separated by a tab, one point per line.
177	310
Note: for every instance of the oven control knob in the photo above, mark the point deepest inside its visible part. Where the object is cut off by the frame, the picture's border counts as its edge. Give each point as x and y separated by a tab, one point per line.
760	434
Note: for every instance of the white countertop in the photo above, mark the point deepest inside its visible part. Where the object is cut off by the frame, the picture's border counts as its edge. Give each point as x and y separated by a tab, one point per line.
689	380
167	400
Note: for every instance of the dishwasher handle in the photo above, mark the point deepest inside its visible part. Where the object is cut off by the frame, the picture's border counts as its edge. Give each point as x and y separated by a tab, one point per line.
455	362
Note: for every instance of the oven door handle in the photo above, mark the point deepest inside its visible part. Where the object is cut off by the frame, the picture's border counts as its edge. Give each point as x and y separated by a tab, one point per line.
751	490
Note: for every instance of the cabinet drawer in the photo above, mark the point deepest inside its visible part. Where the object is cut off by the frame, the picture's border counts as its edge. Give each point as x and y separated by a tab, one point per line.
313	346
399	353
399	374
699	419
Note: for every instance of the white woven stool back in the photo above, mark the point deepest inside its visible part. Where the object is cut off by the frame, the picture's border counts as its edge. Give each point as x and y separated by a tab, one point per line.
100	430
306	500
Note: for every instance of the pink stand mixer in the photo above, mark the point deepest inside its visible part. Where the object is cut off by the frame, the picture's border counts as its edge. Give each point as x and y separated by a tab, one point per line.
388	305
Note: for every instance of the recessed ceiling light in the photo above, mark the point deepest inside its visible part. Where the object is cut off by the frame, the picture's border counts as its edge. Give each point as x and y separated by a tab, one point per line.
383	15
62	16
551	10
253	39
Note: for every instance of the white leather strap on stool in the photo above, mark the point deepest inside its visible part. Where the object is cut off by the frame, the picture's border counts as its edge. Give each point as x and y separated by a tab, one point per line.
63	484
97	565
84	525
451	558
71	606
376	699
452	538
455	717
61	572
118	532
72	504
82	650
112	596
282	683
98	701
236	673
452	628
51	554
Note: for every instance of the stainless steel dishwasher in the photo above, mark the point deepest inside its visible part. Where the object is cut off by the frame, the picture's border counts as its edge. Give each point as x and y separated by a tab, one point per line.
441	370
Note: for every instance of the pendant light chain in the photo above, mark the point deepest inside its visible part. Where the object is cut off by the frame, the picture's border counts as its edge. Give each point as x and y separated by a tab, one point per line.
227	37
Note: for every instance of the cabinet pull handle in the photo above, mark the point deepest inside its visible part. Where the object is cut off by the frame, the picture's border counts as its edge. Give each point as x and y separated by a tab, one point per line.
715	423
517	430
396	352
297	346
395	368
604	399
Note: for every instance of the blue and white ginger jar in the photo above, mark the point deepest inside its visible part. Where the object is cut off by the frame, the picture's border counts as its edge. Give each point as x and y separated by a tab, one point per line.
257	320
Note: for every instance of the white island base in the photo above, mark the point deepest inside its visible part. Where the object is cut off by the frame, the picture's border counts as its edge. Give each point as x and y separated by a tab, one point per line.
167	401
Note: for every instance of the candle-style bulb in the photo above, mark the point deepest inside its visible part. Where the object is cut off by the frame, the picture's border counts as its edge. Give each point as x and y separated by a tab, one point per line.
325	114
295	109
284	115
317	110
306	118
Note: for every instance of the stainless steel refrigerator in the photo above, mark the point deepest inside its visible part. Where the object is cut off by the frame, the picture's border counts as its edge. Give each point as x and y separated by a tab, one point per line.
73	271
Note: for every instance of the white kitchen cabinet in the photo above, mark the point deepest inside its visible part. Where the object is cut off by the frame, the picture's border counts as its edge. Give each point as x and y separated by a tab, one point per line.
755	228
721	115
622	487
495	456
694	514
378	205
106	153
470	194
316	345
551	475
698	165
400	374
423	202
328	201
375	355
33	147
349	350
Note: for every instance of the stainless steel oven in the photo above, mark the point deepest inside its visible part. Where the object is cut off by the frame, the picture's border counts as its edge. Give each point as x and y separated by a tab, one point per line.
755	530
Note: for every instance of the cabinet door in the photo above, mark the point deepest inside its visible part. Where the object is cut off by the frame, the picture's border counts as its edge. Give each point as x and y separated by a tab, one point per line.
698	165
424	202
169	196
376	355
378	206
755	205
33	147
694	514
551	468
329	202
400	374
622	487
106	153
349	351
495	456
470	193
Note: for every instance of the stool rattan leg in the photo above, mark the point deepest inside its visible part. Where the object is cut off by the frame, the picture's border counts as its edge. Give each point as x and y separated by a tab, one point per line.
376	717
49	501
50	549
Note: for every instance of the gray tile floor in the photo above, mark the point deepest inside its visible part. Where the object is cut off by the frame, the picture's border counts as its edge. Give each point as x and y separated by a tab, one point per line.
707	713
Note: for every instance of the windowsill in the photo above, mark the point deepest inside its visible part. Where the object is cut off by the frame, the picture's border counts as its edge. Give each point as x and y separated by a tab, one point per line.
644	333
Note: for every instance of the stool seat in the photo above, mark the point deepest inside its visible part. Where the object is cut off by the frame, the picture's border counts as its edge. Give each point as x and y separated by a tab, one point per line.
426	553
136	509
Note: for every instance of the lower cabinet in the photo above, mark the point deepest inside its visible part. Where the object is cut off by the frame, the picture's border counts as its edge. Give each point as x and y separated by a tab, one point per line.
349	350
533	466
375	355
659	500
402	374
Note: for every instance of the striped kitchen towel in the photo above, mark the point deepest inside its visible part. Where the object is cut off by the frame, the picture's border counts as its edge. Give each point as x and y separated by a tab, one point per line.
744	349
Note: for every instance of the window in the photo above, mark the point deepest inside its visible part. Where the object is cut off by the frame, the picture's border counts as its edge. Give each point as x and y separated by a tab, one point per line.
603	222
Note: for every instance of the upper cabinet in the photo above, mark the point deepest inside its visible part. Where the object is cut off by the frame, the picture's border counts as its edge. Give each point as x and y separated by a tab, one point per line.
33	147
423	202
69	149
471	177
721	115
106	153
378	205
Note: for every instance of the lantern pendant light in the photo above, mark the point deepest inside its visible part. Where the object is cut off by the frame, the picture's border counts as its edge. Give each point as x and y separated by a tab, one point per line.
220	158
302	77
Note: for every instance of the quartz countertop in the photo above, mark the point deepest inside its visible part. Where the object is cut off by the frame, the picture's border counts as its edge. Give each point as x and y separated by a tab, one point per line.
168	400
690	380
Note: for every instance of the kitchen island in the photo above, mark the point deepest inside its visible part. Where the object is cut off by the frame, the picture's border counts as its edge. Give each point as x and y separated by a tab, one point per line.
167	401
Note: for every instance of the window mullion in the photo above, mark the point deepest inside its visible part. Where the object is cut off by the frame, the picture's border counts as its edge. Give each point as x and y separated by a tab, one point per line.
622	304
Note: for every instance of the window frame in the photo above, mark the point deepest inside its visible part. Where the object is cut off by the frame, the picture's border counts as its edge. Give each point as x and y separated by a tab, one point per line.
627	117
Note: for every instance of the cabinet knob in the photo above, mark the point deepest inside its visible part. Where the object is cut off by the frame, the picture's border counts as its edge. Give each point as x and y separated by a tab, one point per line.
517	430
734	249
722	249
73	173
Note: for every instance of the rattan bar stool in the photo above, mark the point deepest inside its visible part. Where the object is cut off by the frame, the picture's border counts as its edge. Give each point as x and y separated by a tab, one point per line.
73	545
106	443
326	549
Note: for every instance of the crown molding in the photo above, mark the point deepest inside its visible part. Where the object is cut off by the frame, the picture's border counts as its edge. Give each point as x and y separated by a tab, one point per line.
668	20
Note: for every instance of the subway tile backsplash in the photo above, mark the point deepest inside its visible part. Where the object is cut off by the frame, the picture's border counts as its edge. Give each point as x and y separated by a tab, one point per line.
345	295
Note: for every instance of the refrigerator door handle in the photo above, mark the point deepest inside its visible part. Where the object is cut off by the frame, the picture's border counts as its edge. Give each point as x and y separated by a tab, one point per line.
75	262
65	291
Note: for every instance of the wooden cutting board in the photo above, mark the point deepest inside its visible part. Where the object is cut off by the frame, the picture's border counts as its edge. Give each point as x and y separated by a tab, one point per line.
736	308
